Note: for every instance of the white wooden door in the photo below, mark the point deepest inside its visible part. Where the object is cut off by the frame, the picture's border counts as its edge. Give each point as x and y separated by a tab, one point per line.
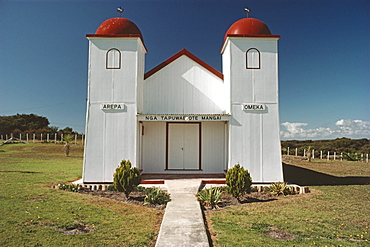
183	146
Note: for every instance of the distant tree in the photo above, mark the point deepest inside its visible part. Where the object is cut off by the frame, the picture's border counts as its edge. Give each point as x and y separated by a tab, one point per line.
23	122
53	129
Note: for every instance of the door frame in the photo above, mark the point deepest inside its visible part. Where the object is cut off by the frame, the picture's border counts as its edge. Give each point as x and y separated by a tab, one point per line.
200	146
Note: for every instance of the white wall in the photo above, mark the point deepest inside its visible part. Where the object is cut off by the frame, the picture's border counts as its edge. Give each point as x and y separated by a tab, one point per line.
184	86
111	135
254	140
212	148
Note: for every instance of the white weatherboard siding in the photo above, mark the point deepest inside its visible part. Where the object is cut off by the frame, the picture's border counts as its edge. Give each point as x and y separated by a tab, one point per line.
183	118
107	139
184	86
254	139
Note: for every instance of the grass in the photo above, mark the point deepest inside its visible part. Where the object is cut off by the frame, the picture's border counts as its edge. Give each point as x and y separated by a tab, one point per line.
32	214
330	216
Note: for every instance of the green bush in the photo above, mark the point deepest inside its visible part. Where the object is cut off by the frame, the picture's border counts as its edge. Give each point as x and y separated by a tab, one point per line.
156	196
238	180
125	179
281	188
210	197
70	187
111	188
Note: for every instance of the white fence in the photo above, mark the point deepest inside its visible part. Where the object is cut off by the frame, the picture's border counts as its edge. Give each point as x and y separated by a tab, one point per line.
327	155
45	137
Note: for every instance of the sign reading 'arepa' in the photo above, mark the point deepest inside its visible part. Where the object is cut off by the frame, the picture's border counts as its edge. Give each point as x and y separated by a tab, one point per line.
112	106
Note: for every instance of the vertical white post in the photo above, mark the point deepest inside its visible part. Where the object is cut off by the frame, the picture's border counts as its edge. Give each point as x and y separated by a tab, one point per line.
335	153
367	158
6	136
61	137
20	136
288	151
75	139
296	151
41	138
34	137
321	155
55	137
47	137
362	157
2	137
304	152
11	135
27	137
313	153
341	156
328	158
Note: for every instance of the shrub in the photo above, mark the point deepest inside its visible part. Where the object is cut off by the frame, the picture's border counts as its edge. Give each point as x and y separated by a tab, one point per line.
156	196
111	188
210	197
70	187
281	188
238	181
125	179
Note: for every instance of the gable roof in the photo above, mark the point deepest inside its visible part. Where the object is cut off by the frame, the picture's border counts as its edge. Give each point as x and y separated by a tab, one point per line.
189	55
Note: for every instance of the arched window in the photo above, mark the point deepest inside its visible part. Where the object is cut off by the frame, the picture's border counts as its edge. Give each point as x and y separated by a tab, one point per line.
113	59
253	59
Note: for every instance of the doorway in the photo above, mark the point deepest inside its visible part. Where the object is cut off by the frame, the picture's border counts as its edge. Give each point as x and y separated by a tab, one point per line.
183	146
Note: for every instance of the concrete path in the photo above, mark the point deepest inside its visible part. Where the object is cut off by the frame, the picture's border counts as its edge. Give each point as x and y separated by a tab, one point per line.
183	223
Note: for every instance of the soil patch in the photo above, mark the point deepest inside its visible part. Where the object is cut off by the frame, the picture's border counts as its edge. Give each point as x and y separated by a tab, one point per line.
280	234
135	197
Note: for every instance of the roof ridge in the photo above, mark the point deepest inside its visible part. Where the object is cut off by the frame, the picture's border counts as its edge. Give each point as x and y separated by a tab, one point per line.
178	55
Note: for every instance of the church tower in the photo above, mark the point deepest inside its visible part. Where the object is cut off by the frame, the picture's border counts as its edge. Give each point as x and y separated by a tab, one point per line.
115	76
250	68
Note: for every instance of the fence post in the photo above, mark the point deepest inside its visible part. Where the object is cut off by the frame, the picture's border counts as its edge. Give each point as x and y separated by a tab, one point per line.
34	136
367	158
41	138
55	137
75	139
47	137
313	153
288	151
334	155
341	156
328	158
20	136
27	137
61	137
296	151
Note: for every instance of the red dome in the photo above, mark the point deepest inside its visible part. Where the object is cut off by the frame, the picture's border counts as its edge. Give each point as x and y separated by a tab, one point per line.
248	26
118	25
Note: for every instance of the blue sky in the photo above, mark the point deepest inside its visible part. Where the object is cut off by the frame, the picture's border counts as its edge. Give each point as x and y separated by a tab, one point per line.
324	55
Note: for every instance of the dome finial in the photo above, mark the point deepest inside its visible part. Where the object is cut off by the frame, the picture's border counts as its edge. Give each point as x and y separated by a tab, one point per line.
119	10
247	10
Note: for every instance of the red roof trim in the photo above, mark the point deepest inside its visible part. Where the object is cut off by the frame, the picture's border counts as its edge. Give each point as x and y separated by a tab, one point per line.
253	36
117	36
189	55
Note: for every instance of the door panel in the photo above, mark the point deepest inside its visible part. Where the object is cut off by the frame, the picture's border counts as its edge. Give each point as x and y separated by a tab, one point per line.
183	146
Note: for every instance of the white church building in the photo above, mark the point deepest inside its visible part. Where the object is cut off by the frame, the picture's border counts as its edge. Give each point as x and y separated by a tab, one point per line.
183	116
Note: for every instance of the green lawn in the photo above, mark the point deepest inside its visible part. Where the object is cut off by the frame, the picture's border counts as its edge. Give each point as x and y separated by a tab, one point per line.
333	215
32	213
